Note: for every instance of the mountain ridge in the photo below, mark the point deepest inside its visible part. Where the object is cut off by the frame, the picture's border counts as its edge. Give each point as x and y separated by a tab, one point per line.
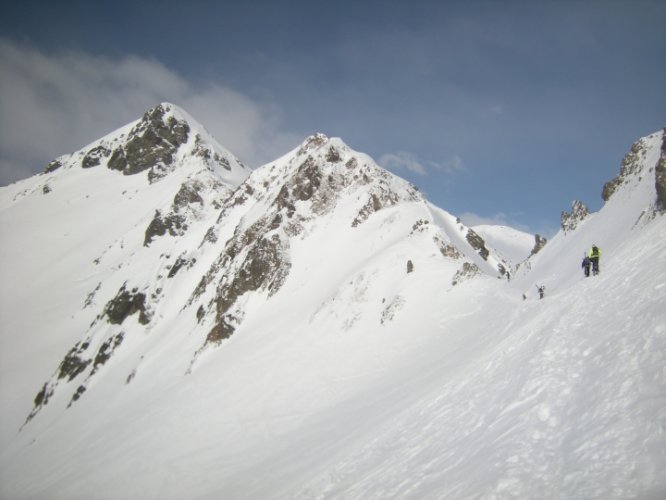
308	316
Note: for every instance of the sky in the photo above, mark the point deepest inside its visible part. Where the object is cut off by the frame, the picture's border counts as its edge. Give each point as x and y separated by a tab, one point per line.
500	112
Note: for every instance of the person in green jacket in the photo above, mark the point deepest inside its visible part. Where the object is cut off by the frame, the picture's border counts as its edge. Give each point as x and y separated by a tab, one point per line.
594	255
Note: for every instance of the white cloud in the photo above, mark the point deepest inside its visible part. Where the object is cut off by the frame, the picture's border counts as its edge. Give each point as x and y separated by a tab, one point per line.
472	219
52	104
403	160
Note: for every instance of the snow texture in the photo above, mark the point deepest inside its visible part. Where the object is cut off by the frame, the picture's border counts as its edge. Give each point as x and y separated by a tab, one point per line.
317	329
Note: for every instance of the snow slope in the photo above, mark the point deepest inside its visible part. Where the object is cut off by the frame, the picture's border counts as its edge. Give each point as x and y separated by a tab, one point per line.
513	245
371	350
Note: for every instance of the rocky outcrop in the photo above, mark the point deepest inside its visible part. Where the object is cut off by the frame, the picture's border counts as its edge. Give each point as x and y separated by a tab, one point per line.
478	244
631	164
75	363
660	176
539	243
125	304
54	165
94	156
261	264
151	144
569	221
188	205
467	272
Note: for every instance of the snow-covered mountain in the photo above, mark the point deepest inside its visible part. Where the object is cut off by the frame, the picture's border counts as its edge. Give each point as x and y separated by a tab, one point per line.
176	326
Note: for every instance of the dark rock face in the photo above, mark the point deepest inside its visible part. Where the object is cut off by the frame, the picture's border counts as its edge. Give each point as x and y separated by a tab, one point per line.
53	166
74	362
94	156
569	221
180	263
478	244
126	303
467	272
384	198
539	243
151	145
660	176
263	265
106	350
187	203
631	164
174	224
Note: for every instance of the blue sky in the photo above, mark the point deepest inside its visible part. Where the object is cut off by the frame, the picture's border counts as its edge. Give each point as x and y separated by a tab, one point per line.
499	112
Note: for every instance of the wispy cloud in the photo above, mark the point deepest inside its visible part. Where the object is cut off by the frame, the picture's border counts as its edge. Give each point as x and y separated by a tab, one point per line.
51	104
471	219
404	160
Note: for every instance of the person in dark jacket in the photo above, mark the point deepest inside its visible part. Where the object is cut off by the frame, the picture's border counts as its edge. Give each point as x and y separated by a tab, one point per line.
586	266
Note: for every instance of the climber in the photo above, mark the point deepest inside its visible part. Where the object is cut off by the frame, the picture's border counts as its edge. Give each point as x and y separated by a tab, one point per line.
542	290
586	266
594	255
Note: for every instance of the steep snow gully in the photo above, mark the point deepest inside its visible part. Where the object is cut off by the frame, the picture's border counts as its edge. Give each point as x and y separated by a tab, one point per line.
317	329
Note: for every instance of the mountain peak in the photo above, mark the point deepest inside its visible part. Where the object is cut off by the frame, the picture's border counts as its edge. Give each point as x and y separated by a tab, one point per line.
163	139
643	165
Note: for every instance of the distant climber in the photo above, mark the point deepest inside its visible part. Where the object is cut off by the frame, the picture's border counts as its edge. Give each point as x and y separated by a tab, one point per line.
586	266
594	255
542	290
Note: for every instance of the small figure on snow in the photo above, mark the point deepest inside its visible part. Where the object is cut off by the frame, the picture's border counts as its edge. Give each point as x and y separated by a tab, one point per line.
586	266
542	290
594	255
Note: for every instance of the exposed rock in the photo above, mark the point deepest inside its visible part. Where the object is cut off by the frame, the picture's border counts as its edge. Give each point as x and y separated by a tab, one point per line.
333	155
125	304
46	189
539	243
43	396
660	176
175	224
188	194
448	250
312	143
478	244
420	226
180	263
410	267
467	272
264	266
74	362
106	350
94	156
569	221
307	180
378	200
77	395
631	164
390	311
151	144
204	151
188	205
53	166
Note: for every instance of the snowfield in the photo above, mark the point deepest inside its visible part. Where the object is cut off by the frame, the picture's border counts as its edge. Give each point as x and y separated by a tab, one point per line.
365	374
